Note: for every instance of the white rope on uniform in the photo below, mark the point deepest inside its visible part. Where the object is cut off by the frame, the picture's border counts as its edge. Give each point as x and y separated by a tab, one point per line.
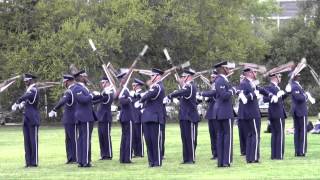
72	98
159	90
87	160
190	92
256	148
281	138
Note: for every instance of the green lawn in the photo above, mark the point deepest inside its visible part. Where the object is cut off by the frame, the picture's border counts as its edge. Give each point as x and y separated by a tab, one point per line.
52	159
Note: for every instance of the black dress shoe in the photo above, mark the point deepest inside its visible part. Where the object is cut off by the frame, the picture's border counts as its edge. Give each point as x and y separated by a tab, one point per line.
80	165
226	165
87	165
188	162
126	162
33	165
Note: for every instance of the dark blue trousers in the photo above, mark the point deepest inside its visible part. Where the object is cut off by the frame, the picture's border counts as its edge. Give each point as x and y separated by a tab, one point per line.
242	136
277	138
104	131
126	142
212	124
71	142
30	134
253	127
225	141
300	135
188	141
84	142
137	140
162	139
152	133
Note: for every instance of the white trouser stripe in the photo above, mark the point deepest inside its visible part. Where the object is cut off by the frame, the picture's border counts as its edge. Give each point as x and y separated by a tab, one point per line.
281	138
109	140
304	134
230	140
142	148
192	140
75	140
256	148
159	152
36	142
87	160
130	139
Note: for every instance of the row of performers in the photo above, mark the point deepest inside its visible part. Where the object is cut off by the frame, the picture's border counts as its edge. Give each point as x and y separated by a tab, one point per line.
143	116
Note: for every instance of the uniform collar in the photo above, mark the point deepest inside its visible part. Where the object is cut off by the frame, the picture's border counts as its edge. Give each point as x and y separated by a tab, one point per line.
224	77
138	90
83	85
70	85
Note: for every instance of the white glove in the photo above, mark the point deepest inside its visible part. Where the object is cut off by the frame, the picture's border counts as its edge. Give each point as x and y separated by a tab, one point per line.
257	93
14	107
144	93
137	104
52	113
175	101
288	88
243	98
198	96
280	93
131	93
166	100
21	105
310	98
96	93
274	99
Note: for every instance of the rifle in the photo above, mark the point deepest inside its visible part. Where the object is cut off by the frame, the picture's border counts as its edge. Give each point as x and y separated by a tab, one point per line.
8	82
176	75
280	69
299	67
314	74
169	71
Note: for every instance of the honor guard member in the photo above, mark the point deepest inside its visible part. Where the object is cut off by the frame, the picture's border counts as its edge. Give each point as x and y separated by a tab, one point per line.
104	116
153	116
277	116
84	118
31	119
137	136
68	118
242	130
223	113
126	117
188	114
249	112
212	123
299	112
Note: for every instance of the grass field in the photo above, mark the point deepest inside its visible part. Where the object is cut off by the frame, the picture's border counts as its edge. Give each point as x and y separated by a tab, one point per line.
52	159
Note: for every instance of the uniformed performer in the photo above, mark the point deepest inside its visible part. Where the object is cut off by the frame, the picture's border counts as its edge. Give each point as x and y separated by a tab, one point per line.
223	113
277	116
188	114
153	116
249	112
242	130
68	118
104	116
299	112
137	136
31	119
126	117
85	118
212	123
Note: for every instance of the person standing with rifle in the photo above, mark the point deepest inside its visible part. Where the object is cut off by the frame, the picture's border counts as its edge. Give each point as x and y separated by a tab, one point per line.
105	118
212	123
153	116
126	117
68	118
84	116
31	119
137	140
188	114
